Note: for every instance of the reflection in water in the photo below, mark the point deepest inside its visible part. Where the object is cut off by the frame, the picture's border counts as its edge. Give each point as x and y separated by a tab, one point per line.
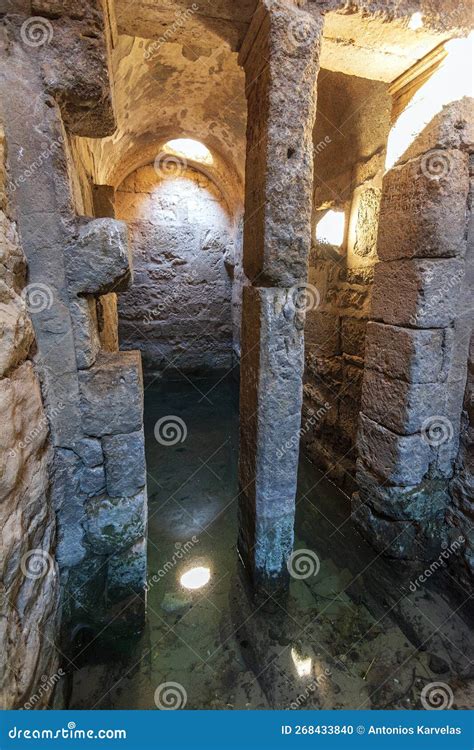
303	664
195	578
347	637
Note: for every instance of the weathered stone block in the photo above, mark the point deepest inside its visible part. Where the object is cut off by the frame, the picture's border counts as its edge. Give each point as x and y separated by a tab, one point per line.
69	505
126	572
114	524
99	261
322	333
74	65
391	538
363	227
112	394
422	293
423	207
353	332
124	463
414	355
107	322
16	331
397	459
271	400
86	337
451	128
92	480
402	407
90	451
419	502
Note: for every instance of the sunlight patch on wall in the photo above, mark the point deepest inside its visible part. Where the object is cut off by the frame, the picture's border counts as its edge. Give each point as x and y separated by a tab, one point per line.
452	81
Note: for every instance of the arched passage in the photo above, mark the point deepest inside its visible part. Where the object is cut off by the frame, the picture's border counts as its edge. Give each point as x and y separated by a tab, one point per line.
179	310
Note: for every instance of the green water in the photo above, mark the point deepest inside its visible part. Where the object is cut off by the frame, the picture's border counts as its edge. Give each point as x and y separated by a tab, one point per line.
350	635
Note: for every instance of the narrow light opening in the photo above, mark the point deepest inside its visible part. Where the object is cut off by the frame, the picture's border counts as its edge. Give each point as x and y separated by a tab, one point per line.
330	228
416	21
187	148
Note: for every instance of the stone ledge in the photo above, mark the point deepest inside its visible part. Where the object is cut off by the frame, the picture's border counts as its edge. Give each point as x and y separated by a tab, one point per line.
112	394
99	261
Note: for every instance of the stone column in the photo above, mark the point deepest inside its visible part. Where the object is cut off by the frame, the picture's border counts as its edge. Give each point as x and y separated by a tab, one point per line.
417	344
281	59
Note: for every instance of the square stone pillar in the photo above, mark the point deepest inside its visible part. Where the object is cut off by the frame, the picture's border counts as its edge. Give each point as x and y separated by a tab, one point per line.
281	59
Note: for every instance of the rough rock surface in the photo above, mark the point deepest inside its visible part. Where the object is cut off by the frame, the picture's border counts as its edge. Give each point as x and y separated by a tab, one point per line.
178	312
29	593
416	355
49	90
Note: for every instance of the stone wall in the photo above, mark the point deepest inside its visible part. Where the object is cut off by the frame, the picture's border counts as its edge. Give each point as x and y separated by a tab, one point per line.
460	514
178	311
93	396
349	139
417	346
29	596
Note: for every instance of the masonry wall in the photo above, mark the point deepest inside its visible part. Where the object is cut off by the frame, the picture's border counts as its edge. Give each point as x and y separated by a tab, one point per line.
93	397
417	347
351	130
178	311
29	599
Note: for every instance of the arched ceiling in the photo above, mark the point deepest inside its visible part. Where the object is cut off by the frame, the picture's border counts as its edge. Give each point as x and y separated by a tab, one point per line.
175	72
